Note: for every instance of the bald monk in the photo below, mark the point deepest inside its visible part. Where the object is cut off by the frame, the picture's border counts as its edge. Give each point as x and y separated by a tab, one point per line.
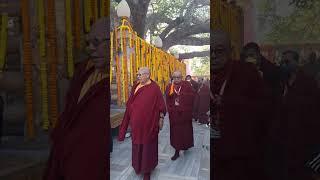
80	139
237	101
179	99
145	111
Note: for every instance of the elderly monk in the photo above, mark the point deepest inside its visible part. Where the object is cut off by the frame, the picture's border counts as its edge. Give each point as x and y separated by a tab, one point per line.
145	111
80	139
179	99
238	98
297	128
271	76
202	102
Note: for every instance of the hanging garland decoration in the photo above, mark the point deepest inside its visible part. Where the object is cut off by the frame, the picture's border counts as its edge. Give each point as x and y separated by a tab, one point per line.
87	15
125	67
111	57
3	40
77	24
27	67
94	10
118	73
161	64
69	38
52	57
102	8
43	66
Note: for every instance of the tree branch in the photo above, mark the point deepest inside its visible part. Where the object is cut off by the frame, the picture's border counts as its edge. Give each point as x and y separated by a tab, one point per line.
194	54
172	24
194	41
180	34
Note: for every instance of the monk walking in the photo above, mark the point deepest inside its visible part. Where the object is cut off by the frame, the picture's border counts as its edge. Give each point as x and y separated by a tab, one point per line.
179	98
202	102
145	111
297	128
238	98
80	140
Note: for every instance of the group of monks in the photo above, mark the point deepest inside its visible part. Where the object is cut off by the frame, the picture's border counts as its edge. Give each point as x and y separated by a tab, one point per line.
145	112
267	116
80	140
201	103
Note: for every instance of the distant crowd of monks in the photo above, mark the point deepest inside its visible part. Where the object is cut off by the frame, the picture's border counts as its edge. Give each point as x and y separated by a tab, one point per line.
267	115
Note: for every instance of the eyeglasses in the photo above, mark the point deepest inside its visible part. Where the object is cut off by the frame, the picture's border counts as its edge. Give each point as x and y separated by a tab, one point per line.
219	51
176	77
138	75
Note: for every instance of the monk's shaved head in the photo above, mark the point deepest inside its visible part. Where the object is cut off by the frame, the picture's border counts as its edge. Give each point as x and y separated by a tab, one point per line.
143	75
144	70
101	28
220	50
177	77
220	38
98	41
177	73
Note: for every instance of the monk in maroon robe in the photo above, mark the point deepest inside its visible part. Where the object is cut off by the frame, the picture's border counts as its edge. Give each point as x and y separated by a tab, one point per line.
238	98
80	139
195	87
202	102
299	119
271	75
179	99
145	111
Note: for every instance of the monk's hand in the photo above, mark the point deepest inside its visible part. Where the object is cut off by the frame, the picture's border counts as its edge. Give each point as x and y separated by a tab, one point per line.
161	123
121	138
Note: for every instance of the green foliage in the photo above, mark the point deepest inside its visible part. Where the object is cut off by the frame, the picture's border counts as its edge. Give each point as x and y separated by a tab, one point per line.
201	66
300	26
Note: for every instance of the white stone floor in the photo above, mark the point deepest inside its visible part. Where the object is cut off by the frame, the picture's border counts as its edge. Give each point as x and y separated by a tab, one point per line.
192	165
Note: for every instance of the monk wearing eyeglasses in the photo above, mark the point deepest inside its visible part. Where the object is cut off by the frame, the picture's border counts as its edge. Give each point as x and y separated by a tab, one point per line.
179	99
145	111
81	137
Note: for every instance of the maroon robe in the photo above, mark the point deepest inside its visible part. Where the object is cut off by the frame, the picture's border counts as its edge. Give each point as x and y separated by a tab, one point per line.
298	126
202	104
81	138
143	114
195	87
181	130
238	153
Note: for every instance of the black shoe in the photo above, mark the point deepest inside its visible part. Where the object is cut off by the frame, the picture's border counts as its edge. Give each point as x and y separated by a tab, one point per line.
175	156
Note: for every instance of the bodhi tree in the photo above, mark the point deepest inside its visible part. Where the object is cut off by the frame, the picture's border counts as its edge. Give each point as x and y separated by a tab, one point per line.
177	22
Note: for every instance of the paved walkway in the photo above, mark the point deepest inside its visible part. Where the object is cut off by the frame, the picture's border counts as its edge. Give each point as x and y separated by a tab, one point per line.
192	165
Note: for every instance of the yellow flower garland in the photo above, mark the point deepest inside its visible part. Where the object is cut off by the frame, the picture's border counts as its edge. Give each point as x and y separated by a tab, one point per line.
43	66
161	64
69	37
3	40
27	67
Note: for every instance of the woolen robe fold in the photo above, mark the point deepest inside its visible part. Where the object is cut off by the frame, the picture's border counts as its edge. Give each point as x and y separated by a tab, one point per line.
202	103
181	130
297	127
81	138
143	110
